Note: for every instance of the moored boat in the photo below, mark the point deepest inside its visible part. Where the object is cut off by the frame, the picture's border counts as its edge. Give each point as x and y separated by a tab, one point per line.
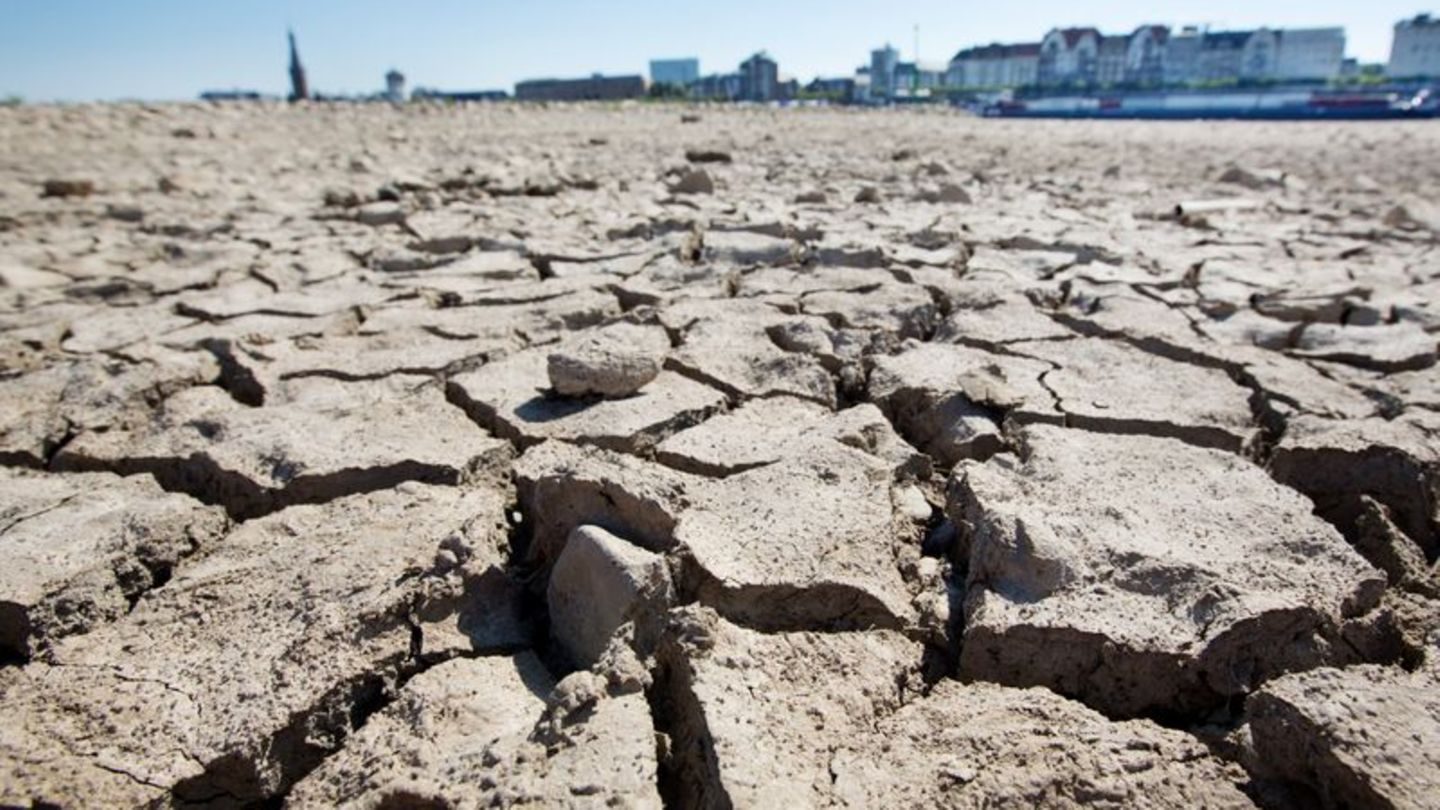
1277	105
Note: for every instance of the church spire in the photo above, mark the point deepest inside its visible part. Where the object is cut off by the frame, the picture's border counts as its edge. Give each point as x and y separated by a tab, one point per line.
299	88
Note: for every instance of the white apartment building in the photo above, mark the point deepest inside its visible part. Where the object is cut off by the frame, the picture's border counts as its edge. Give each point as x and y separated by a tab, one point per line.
1113	53
1415	50
1284	54
1310	53
1069	55
995	66
1145	54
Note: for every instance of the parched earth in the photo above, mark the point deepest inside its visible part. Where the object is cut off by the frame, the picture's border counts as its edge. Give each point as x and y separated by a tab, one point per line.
660	457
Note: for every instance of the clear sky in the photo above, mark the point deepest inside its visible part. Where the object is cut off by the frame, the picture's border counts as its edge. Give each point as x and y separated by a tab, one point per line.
172	49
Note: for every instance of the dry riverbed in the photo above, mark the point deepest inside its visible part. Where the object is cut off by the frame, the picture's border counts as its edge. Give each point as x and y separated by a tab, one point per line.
603	457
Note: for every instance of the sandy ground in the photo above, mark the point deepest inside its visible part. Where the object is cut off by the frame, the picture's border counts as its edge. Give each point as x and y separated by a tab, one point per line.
704	457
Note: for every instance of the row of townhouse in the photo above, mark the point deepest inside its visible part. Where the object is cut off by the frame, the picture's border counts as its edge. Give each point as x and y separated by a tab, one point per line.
1152	55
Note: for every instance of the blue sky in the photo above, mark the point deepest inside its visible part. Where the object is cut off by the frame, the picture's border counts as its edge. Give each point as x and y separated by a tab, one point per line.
171	49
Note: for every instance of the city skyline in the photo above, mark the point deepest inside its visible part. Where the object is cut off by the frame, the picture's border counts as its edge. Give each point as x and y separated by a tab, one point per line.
68	50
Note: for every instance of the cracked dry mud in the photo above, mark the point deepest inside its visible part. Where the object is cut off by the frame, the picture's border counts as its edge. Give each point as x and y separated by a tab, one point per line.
494	456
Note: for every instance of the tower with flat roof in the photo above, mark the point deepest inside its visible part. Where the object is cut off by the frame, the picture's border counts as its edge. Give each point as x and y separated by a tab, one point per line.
395	87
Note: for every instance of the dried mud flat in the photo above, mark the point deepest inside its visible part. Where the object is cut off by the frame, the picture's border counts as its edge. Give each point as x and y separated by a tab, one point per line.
461	457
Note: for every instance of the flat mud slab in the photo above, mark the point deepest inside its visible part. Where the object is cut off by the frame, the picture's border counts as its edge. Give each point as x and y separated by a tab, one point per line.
1081	580
494	455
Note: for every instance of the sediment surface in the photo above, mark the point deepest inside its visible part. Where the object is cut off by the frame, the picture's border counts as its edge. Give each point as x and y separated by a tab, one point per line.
460	456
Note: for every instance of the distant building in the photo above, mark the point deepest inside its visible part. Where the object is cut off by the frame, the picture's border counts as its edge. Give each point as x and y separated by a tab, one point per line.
905	77
760	78
929	75
1220	55
1154	55
718	87
1111	57
883	63
299	86
395	86
1371	70
1182	56
1146	53
977	67
595	88
1262	54
678	72
428	94
1217	56
1069	56
842	90
1310	53
995	66
1023	63
862	86
917	79
1259	55
1415	51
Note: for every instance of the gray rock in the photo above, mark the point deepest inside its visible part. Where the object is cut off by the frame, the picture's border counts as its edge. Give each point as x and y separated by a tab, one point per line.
707	156
68	188
562	486
945	193
868	194
1254	179
693	181
125	213
512	399
377	214
599	583
1414	215
616	362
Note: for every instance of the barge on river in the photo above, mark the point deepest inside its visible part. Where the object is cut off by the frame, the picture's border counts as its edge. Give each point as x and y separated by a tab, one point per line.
1272	105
